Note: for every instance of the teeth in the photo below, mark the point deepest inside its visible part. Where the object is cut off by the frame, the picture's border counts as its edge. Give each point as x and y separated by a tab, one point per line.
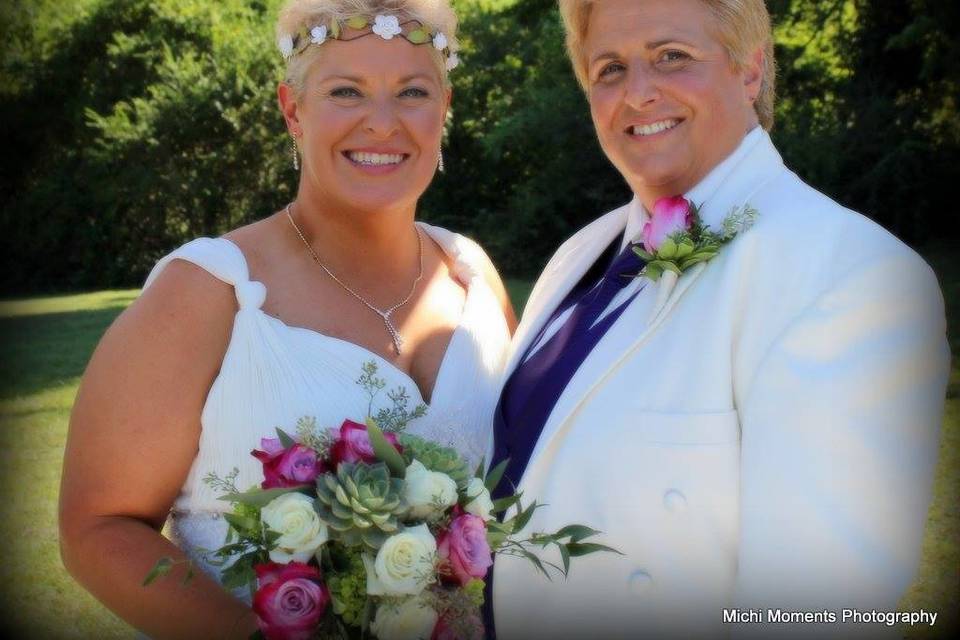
375	158
656	127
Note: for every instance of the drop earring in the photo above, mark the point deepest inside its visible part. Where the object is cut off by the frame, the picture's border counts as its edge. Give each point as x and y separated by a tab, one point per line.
295	152
440	160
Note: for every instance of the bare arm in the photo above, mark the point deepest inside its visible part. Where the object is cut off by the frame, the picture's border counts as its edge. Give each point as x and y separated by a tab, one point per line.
133	436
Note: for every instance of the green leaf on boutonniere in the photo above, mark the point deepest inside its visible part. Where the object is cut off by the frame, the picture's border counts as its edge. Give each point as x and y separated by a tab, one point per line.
667	250
385	451
653	270
577	549
684	248
646	257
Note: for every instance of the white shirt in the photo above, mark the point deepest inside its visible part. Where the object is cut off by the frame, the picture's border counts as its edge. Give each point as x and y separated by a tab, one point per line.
637	218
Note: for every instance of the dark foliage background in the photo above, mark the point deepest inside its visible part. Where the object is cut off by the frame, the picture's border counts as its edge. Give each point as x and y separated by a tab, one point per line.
131	126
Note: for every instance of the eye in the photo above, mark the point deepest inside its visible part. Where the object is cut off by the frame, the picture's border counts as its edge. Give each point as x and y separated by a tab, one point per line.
673	56
414	92
345	92
610	69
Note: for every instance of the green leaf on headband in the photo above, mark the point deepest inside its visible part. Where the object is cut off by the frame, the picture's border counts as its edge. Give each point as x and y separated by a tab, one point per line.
418	36
334	28
357	22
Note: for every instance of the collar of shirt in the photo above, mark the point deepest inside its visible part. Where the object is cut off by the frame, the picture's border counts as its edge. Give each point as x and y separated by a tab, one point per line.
637	216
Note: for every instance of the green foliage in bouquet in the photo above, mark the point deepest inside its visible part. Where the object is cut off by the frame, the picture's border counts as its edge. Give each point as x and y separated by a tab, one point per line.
348	586
361	503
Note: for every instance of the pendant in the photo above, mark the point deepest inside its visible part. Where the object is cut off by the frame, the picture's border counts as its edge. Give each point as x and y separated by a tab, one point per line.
394	334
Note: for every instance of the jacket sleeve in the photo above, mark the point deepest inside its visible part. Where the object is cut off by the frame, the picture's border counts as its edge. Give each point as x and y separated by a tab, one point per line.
840	430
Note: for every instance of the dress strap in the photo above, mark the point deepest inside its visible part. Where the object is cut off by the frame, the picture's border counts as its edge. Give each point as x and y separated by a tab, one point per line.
222	259
468	258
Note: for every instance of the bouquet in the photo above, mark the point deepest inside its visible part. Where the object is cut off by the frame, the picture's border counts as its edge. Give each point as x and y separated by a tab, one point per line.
369	531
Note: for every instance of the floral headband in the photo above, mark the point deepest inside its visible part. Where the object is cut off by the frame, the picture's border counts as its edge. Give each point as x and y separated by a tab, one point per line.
384	26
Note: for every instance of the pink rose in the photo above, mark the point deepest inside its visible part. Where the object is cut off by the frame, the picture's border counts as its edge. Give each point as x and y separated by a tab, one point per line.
353	445
463	548
468	628
290	600
670	215
291	467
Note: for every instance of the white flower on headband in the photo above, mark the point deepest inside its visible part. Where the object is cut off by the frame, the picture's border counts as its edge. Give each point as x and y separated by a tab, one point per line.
440	41
318	34
285	44
453	61
386	26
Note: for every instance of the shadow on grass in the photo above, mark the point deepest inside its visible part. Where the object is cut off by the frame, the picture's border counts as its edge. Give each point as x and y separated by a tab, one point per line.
42	351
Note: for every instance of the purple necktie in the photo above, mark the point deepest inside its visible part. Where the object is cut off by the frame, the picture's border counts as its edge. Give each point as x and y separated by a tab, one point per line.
533	389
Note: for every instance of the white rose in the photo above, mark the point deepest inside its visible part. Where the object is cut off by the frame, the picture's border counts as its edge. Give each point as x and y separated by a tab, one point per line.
301	531
386	26
285	44
412	619
428	493
404	564
440	41
480	503
318	35
453	62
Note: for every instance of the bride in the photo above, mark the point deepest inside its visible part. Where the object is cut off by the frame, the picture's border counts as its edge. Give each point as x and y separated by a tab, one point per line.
235	336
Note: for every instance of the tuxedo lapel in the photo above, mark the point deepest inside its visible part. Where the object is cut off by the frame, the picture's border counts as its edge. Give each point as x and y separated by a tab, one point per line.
563	272
760	164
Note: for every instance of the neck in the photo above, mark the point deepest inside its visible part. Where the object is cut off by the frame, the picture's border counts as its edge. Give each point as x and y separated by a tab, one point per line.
358	244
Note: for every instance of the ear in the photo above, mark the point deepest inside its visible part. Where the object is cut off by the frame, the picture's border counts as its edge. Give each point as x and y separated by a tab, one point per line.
752	74
287	99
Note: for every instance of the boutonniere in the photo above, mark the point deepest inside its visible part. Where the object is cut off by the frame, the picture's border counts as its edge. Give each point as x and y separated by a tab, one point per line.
676	239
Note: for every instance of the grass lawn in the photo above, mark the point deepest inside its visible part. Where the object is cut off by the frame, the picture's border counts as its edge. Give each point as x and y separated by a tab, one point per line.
45	345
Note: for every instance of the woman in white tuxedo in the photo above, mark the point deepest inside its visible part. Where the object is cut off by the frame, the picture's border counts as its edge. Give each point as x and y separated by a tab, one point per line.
759	432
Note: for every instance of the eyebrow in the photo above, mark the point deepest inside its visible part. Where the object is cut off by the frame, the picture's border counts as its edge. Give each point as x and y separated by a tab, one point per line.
650	46
359	80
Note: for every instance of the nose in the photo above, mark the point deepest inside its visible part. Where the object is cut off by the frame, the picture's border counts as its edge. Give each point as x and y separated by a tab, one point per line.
381	121
641	87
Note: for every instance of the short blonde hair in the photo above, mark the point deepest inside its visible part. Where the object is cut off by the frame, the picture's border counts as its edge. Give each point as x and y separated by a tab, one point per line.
298	15
743	26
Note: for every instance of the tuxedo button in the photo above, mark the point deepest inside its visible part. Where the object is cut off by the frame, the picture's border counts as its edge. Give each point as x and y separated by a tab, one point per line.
639	581
674	501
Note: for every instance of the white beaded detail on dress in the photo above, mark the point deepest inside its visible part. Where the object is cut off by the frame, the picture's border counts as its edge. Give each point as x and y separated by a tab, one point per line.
273	374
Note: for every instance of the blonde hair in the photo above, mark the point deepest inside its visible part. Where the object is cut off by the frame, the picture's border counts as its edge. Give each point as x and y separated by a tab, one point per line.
743	26
298	15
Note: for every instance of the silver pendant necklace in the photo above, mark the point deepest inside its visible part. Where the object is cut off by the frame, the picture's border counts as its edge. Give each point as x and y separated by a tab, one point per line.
384	313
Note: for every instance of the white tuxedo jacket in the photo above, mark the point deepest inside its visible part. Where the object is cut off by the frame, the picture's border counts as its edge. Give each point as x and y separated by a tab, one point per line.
765	439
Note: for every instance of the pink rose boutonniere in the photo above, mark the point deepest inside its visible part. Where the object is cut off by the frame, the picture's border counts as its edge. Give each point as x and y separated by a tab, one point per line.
676	239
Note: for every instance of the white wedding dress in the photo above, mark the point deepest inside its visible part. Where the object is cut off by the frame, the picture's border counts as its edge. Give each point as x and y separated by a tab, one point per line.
273	374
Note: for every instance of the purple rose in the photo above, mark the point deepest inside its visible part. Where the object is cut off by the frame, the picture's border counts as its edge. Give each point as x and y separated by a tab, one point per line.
292	467
353	445
670	216
463	548
290	600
